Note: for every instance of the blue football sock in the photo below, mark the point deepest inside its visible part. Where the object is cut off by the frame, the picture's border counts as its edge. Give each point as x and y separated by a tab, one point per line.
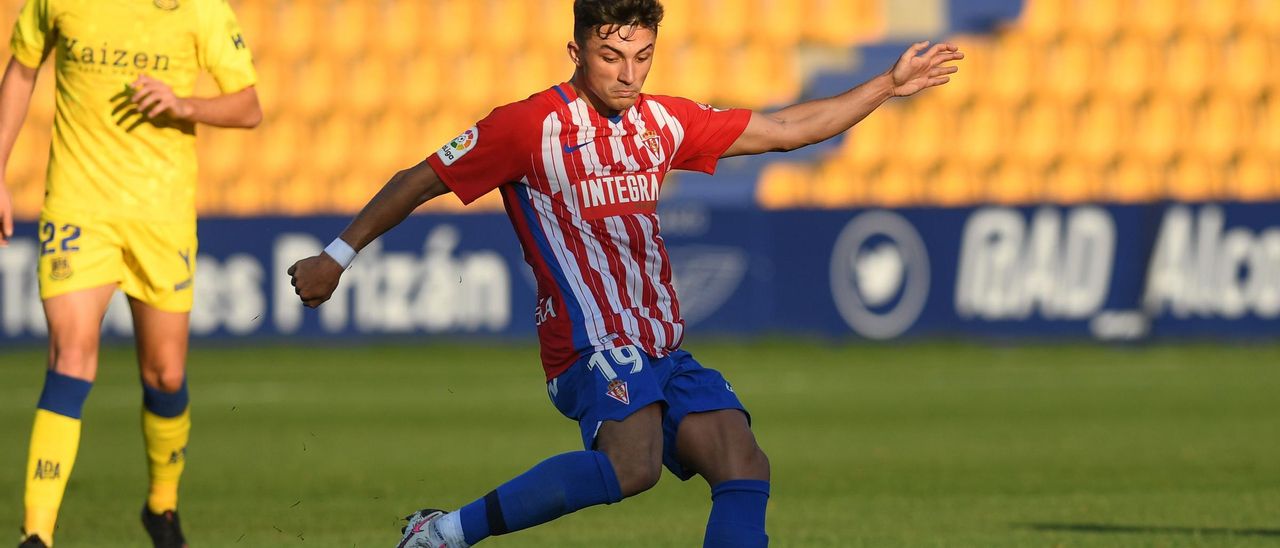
560	485
737	515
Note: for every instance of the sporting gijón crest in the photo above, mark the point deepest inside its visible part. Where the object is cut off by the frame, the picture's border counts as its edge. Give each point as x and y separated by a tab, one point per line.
618	391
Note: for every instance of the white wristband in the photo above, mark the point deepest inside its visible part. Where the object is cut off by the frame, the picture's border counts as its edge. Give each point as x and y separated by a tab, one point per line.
341	252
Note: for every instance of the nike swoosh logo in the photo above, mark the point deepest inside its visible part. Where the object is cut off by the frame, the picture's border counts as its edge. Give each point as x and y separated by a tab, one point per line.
572	149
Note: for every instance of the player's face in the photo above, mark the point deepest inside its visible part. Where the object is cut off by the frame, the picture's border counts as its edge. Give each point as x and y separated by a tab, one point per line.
611	70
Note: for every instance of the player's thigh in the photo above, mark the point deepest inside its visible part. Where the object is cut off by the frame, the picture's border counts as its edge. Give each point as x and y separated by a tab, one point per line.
719	446
702	394
161	338
160	261
75	324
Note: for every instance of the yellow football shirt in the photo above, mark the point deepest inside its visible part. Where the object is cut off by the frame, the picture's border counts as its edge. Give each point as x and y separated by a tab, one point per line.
107	160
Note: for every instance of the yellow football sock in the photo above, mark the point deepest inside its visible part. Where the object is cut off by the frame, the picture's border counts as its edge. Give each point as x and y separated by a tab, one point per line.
55	439
166	440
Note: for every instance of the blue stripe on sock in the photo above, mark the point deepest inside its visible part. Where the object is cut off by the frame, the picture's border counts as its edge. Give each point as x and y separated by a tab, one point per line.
64	395
165	404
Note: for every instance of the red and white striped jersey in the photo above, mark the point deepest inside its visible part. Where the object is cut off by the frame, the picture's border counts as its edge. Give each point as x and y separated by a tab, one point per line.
582	191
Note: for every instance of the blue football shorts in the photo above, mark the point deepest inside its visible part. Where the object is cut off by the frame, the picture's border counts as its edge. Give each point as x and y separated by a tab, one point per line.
612	384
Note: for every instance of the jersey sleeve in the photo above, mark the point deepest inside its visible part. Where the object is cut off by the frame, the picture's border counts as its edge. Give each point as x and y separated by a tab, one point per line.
221	47
495	151
32	33
708	132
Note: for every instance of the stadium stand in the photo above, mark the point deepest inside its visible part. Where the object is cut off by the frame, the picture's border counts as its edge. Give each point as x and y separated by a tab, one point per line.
1062	101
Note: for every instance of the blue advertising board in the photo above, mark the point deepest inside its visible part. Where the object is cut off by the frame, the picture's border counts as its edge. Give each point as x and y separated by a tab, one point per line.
1105	272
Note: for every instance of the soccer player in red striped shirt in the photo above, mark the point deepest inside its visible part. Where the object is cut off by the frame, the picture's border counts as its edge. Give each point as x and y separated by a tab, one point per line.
580	167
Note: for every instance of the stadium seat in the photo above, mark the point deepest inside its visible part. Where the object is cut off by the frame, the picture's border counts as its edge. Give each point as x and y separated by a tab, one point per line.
1243	55
1262	15
1188	65
1100	20
923	138
1132	180
447	28
365	90
1011	182
501	26
397	38
313	91
951	184
1253	177
874	138
842	22
838	184
1216	18
776	22
1128	66
1071	182
783	185
1042	19
418	82
1038	132
982	132
1217	123
894	184
346	28
1156	19
1101	128
1014	62
291	39
732	19
1194	179
1264	113
1159	129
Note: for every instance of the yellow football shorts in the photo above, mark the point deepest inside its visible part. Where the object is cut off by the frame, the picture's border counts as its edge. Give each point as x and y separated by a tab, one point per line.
154	262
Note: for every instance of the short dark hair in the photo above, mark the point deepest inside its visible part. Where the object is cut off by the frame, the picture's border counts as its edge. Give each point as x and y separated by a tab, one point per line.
601	16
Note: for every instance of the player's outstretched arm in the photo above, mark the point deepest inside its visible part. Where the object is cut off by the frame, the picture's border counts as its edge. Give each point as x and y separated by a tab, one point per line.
15	97
815	121
315	278
238	109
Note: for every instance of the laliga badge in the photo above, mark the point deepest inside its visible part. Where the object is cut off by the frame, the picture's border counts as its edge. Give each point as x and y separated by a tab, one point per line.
618	391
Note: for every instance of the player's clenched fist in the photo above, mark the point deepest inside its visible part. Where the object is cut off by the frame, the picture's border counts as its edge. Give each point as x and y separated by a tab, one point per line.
315	278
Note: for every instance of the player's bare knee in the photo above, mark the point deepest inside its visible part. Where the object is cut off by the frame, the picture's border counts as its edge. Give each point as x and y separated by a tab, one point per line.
74	360
166	379
638	476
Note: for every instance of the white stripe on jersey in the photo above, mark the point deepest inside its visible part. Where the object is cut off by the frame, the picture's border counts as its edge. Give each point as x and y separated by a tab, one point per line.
593	317
596	255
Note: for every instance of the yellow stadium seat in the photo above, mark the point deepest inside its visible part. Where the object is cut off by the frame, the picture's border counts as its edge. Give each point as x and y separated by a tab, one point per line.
982	132
925	132
1262	15
274	87
365	88
447	31
501	25
305	192
477	81
1101	127
1072	182
396	37
348	27
688	72
951	184
1014	61
732	21
1216	18
1244	56
221	156
895	184
1253	177
679	22
756	75
1264	135
1039	130
1194	179
1043	19
292	38
337	142
842	22
1132	180
1098	19
1156	19
1217	127
1159	129
783	185
277	147
313	90
551	26
247	196
873	139
417	84
837	184
1011	182
1189	64
29	157
1073	59
526	72
776	22
1129	66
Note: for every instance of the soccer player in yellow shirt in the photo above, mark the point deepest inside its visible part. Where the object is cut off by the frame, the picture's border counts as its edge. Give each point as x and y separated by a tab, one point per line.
119	212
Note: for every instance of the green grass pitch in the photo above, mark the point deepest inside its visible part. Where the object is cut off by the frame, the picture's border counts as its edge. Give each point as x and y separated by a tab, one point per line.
935	444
